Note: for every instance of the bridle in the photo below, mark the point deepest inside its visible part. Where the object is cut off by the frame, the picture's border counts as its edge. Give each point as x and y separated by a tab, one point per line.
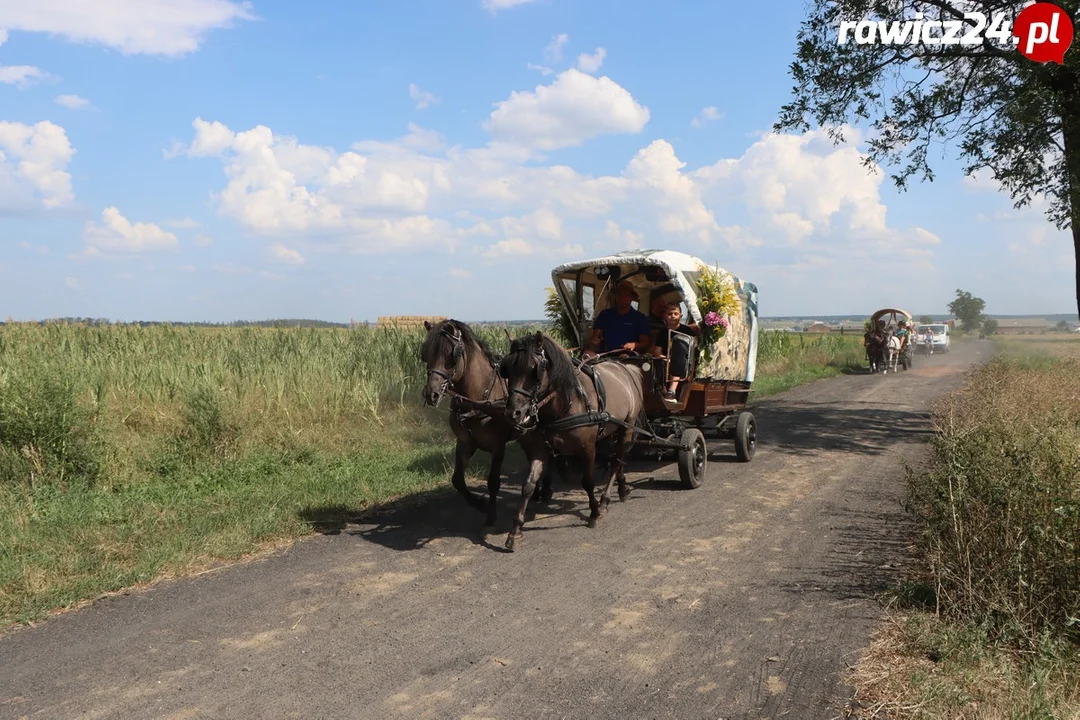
535	402
457	355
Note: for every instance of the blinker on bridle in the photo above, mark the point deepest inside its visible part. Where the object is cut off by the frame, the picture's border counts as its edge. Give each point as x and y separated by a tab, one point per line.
456	356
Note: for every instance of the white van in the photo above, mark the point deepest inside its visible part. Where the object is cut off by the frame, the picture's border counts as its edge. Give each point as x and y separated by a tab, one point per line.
940	341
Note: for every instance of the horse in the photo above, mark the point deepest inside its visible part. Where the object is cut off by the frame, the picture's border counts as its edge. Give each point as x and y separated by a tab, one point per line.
875	350
573	418
892	345
461	364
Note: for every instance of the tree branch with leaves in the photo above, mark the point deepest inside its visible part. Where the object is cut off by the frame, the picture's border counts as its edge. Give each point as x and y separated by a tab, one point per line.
1003	112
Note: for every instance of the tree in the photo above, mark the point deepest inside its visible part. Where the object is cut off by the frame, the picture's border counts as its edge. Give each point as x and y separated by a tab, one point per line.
1015	117
968	309
925	319
560	324
989	326
1062	326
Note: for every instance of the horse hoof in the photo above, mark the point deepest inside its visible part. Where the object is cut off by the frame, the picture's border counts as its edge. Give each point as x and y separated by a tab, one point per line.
623	494
510	539
593	521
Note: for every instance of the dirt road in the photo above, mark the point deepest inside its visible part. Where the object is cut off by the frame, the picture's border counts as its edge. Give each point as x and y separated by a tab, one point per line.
742	599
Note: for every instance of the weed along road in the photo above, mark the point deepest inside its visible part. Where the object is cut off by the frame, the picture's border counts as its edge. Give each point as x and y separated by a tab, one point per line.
744	598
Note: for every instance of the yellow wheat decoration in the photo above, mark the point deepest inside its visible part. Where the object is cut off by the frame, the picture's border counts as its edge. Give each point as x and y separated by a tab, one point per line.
716	294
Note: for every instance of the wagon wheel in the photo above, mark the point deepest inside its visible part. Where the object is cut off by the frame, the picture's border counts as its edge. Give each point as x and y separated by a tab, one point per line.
745	436
692	458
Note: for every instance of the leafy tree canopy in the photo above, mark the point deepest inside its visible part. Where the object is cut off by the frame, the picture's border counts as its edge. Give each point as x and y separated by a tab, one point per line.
1003	112
968	309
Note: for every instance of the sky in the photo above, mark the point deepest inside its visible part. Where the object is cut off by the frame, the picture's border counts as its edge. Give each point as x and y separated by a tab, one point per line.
212	160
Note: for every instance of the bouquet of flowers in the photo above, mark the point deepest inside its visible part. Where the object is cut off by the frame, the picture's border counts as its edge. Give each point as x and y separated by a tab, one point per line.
717	301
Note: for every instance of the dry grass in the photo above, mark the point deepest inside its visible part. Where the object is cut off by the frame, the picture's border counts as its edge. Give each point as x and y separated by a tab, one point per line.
1064	346
917	667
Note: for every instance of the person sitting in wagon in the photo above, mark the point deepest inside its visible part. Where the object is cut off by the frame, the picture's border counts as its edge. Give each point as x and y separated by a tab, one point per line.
903	333
663	347
622	326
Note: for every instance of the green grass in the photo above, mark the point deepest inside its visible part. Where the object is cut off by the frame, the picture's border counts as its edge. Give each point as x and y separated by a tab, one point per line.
787	360
132	453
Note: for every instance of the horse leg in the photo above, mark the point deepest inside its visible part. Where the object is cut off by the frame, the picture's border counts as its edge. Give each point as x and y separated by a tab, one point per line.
462	454
494	482
620	464
536	469
588	482
545	485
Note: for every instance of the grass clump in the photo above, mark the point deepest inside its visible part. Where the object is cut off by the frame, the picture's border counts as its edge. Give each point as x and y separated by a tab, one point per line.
47	436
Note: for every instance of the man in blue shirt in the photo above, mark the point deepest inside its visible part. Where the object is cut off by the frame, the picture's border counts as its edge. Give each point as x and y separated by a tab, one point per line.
621	326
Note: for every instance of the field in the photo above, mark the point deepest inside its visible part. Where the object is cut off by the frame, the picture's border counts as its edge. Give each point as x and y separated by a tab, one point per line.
131	453
1064	345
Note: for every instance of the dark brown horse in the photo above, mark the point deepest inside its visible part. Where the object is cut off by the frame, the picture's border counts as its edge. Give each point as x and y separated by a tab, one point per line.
572	407
462	365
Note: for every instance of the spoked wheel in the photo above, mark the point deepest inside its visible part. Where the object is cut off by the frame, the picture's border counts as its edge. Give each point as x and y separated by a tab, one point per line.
692	458
745	436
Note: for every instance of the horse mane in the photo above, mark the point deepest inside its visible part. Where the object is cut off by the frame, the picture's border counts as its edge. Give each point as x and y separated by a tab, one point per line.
437	340
561	371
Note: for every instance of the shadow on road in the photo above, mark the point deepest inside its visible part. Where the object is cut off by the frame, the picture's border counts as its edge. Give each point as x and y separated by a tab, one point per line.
810	428
867	559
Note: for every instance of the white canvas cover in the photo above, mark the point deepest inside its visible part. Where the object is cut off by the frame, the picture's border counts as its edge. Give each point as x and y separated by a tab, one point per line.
735	354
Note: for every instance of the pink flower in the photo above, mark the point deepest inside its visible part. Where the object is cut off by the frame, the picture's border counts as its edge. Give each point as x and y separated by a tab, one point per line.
723	322
712	320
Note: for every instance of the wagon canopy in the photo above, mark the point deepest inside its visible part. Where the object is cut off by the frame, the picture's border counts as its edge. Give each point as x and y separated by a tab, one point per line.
891	316
586	287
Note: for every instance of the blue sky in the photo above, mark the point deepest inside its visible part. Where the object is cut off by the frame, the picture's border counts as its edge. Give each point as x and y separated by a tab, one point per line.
212	160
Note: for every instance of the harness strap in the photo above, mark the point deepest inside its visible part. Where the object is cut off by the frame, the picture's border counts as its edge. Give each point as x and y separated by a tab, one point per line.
574	422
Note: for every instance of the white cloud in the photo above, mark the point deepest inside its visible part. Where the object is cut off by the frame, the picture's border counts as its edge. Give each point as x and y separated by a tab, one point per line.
573	109
33	167
553	53
622	239
591	63
287	255
267	275
509	248
708	114
807	203
3	36
22	76
149	27
73	102
71	283
680	208
118	234
187	268
203	240
423	98
542	69
495	5
211	138
460	274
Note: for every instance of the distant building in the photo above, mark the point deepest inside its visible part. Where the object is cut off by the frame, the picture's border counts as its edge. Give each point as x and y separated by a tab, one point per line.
1022	326
819	327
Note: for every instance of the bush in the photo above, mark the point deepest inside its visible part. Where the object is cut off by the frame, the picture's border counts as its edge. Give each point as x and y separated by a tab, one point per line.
1001	507
46	436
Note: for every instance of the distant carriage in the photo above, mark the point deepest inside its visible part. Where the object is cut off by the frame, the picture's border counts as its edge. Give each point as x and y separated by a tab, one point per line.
891	353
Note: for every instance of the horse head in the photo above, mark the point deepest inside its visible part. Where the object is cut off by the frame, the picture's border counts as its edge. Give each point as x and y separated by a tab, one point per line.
537	371
444	351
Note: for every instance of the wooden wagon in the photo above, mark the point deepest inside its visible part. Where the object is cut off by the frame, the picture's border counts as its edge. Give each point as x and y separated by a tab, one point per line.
712	400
